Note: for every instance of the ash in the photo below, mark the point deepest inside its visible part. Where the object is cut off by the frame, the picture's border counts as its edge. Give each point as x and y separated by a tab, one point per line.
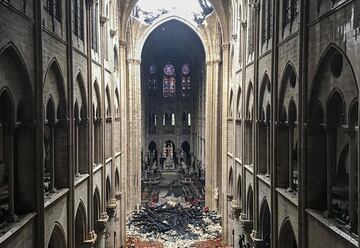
174	224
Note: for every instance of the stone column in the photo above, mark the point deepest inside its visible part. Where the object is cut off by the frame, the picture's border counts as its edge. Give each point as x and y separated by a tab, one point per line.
9	160
210	186
101	230
52	156
111	210
134	158
124	140
353	184
291	148
90	242
268	150
247	226
331	132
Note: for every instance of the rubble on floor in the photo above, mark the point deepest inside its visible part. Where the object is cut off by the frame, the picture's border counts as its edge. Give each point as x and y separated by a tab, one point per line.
213	243
135	242
174	224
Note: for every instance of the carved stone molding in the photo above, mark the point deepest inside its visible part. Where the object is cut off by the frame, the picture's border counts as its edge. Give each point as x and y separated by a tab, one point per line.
247	225
100	224
90	242
111	208
236	210
103	20
112	33
118	196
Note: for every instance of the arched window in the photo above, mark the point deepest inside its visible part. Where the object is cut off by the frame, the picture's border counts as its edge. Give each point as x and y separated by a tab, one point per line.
169	81
189	119
185	80
291	9
53	8
94	26
266	21
78	18
173	119
152	80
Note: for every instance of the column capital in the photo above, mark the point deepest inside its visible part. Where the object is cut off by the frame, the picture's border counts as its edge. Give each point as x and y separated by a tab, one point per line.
351	132
118	196
256	7
90	242
123	43
257	241
100	224
214	61
243	24
246	224
134	61
112	33
111	208
92	2
226	47
103	20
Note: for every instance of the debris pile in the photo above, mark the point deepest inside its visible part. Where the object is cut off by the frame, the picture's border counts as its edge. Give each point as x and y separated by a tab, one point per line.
132	241
174	225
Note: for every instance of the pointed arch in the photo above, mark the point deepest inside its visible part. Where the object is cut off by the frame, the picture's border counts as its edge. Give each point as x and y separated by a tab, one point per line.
336	108
82	90
108	101
96	202
287	83
117	102
230	111
231	182
250	203
54	83
80	225
107	190
249	101
238	103
57	238
265	222
117	181
97	98
19	84
334	70
287	237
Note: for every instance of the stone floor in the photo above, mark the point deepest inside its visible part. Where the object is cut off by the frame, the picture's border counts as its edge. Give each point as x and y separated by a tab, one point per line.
135	242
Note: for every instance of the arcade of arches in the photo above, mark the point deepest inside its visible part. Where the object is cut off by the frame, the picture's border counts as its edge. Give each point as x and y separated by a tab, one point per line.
251	103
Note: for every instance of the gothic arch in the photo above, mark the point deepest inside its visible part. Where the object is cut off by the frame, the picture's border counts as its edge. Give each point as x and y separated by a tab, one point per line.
250	203
265	92
230	111
334	70
57	238
54	83
231	182
97	204
265	222
108	102
97	99
80	225
238	103
220	10
288	85
238	190
19	85
287	237
80	86
249	101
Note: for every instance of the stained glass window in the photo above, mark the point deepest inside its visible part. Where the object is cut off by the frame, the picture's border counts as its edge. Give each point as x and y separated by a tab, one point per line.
169	81
185	80
152	80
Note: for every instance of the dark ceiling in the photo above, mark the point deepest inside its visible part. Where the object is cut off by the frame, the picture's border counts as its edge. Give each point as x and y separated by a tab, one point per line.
173	42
